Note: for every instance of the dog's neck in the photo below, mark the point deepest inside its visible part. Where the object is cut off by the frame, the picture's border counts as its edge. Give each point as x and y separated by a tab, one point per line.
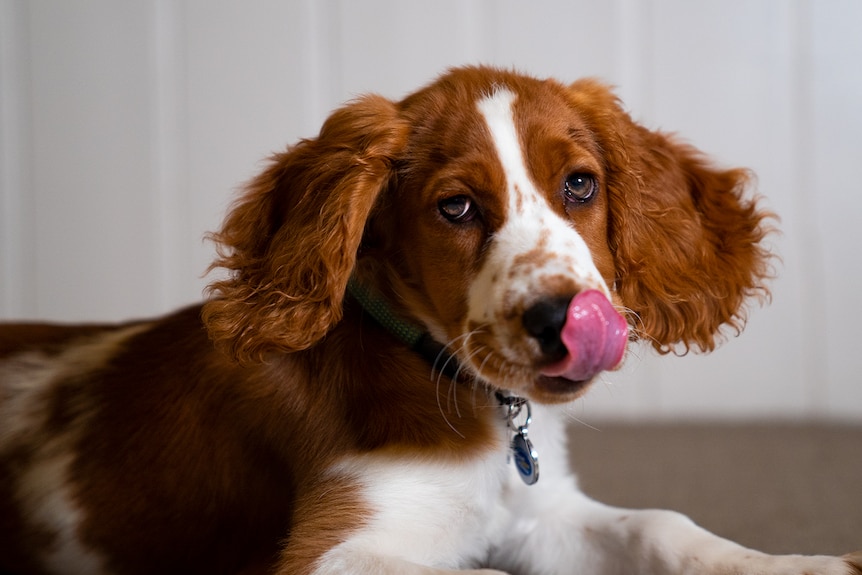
434	352
411	334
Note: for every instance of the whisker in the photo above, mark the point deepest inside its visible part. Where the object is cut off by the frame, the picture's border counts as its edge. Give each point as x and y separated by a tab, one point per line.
442	411
446	419
579	421
461	366
482	365
474	385
637	326
478	375
452	392
439	377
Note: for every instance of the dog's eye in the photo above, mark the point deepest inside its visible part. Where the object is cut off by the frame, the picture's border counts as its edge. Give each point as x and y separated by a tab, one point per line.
457	209
580	188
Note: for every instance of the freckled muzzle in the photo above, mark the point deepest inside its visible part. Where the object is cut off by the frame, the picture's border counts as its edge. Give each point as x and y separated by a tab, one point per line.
592	338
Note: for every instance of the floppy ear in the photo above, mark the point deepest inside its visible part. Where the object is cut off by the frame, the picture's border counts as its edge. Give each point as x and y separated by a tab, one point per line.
290	241
687	242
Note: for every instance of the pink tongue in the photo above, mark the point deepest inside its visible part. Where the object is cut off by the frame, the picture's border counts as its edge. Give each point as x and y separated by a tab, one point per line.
595	336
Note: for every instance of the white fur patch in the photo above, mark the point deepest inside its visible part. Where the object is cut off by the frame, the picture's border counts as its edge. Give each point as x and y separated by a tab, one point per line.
424	512
531	226
449	514
30	381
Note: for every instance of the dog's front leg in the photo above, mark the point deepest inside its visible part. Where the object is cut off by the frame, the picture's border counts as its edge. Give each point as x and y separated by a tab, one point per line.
578	535
665	542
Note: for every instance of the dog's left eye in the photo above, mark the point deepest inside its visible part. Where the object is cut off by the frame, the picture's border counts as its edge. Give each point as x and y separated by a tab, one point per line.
457	209
580	188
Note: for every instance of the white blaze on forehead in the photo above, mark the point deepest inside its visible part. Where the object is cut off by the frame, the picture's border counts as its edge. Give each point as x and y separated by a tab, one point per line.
531	224
497	110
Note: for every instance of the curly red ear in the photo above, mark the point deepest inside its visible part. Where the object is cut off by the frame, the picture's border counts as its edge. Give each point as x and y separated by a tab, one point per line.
290	242
687	242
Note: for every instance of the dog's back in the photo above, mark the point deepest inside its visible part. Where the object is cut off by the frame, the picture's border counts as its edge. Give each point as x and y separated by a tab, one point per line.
136	423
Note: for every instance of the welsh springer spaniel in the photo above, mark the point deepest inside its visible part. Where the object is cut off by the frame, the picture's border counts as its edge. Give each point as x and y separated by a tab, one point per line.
377	385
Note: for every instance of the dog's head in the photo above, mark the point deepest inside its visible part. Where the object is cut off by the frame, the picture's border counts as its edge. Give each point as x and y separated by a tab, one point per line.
513	218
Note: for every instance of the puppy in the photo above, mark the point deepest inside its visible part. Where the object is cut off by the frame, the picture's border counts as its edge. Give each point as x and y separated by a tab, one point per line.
378	384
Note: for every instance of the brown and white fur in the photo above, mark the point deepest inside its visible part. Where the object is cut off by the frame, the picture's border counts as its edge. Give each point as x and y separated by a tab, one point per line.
279	428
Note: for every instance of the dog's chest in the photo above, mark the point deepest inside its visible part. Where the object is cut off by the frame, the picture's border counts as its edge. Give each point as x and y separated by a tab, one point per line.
433	512
450	514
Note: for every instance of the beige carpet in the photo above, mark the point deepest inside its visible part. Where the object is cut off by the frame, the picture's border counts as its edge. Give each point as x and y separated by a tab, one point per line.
779	488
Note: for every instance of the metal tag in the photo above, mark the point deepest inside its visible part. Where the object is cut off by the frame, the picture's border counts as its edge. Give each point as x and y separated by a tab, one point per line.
526	459
523	452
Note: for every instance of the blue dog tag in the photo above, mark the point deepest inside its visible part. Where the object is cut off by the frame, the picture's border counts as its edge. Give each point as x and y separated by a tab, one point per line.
523	452
526	458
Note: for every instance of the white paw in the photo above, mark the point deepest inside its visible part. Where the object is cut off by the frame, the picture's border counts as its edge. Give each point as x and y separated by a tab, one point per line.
803	565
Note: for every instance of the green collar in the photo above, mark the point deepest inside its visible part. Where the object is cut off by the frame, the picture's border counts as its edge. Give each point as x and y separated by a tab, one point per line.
412	335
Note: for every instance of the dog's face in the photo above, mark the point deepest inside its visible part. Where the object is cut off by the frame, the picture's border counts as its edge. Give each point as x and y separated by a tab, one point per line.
514	218
495	220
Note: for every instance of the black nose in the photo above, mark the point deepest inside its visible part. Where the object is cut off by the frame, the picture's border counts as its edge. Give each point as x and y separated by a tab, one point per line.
544	321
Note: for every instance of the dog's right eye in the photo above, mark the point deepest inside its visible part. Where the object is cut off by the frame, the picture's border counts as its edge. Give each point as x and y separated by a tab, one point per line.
457	209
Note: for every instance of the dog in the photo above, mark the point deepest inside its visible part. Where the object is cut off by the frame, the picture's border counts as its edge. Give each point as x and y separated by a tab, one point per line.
377	383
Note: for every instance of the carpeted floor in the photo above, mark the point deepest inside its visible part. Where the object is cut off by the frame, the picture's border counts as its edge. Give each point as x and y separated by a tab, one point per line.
779	488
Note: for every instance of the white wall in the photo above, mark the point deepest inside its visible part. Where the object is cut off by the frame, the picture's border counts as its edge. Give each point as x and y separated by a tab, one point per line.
127	126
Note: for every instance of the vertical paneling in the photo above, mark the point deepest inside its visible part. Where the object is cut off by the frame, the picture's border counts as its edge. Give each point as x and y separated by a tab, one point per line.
127	127
376	56
834	172
634	50
91	150
17	270
169	105
807	249
724	77
250	74
566	40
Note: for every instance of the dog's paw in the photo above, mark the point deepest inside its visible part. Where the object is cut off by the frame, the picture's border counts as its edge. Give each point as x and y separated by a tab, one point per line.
789	565
854	561
821	565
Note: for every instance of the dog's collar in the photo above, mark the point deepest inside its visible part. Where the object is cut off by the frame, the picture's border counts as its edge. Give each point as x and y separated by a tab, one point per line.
525	457
416	338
